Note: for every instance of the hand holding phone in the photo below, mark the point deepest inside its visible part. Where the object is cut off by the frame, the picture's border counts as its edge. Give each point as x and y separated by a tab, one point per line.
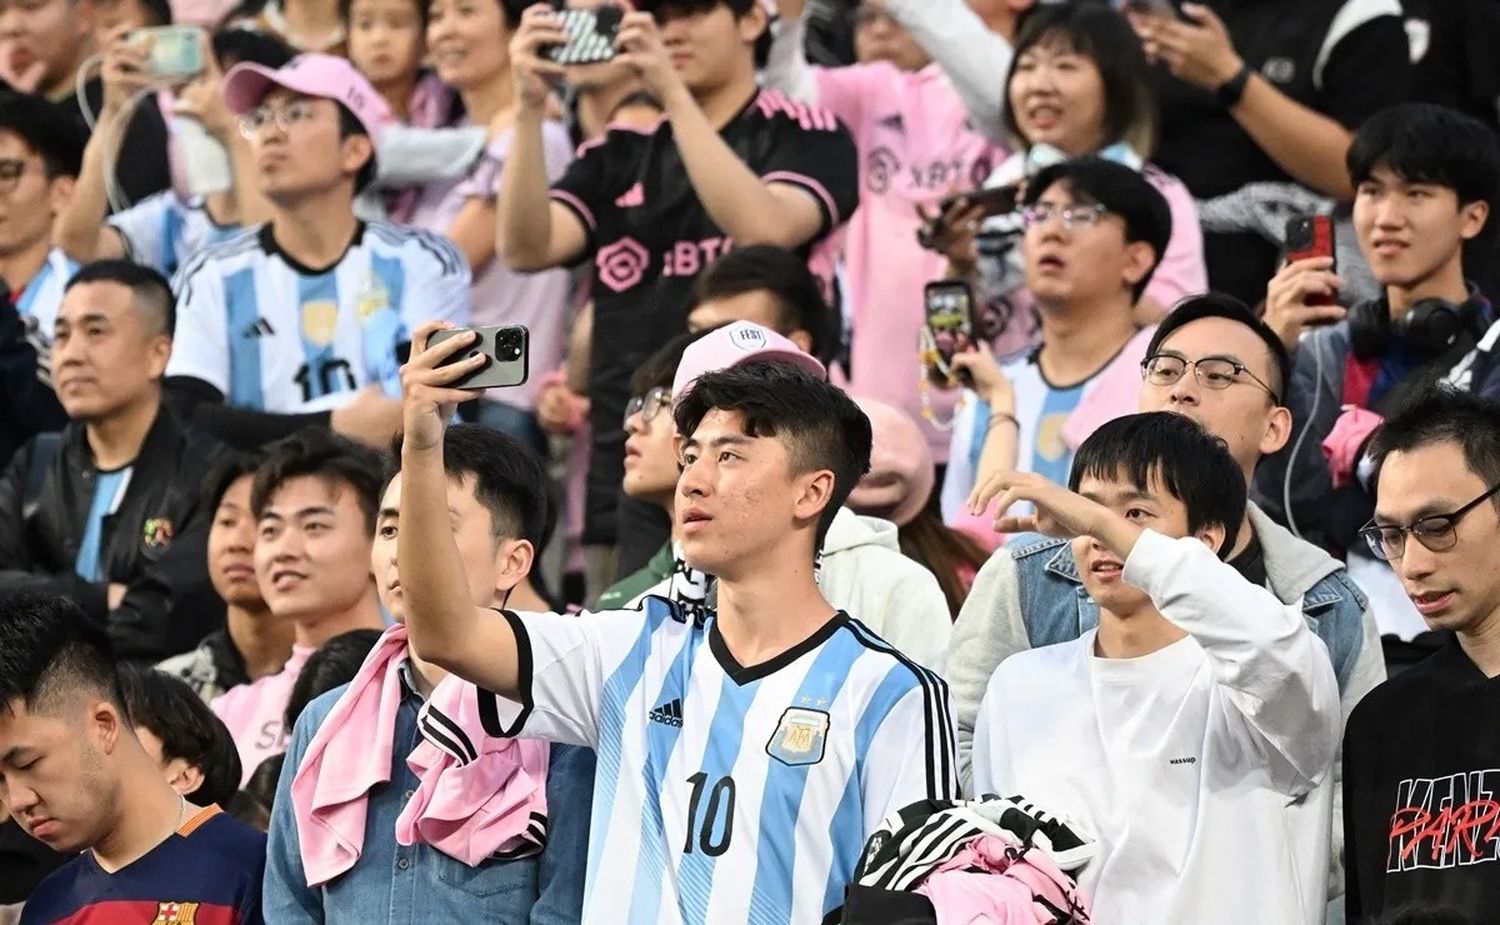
949	328
591	35
1311	236
506	349
1303	292
174	52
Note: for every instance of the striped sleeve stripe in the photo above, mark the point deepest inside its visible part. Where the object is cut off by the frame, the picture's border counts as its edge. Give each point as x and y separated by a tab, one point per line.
439	247
818	191
443	732
942	773
577	207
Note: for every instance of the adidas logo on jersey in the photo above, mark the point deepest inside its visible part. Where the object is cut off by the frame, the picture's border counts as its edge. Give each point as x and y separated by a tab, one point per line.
261	328
668	714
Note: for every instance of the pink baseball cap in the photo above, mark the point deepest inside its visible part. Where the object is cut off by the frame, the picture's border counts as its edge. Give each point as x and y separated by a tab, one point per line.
902	473
736	343
326	76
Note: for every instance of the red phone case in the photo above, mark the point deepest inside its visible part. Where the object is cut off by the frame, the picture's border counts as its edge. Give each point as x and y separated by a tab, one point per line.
1311	236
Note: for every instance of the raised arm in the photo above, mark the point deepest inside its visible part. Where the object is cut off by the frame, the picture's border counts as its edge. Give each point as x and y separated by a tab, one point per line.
747	208
445	627
533	232
975	57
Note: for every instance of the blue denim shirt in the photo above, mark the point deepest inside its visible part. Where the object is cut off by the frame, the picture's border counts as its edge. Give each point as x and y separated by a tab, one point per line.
420	884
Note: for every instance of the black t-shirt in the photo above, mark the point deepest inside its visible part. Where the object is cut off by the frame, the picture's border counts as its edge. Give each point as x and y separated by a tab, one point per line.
1251	563
650	237
1346	67
1422	792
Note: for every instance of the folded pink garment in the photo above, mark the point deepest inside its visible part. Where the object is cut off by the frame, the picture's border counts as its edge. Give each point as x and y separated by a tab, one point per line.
1342	445
987	882
480	797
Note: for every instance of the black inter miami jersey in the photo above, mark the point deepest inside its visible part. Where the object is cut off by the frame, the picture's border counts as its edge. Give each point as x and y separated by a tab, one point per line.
649	236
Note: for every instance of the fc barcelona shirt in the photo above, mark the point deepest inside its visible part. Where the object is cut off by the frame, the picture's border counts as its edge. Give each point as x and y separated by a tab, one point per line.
206	873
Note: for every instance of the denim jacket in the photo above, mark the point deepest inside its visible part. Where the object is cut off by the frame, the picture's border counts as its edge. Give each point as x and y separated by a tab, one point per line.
1029	594
420	884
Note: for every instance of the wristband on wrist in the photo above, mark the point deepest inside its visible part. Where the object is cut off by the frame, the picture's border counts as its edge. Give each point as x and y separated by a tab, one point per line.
1230	92
1001	417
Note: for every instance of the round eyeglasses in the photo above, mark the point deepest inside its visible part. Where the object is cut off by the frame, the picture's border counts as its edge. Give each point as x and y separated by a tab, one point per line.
1216	373
648	406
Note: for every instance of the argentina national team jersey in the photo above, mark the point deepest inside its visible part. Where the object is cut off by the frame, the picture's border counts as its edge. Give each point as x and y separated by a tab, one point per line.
40	300
272	335
163	230
726	793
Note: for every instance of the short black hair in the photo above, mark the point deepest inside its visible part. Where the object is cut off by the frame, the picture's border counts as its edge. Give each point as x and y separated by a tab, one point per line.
1424	143
1219	305
321	452
740	8
335	664
54	133
49	648
1123	192
786	278
508	479
1192	464
821	427
237	45
660	369
349	126
1442	414
151	291
229	467
158	12
188	730
261	787
1105	37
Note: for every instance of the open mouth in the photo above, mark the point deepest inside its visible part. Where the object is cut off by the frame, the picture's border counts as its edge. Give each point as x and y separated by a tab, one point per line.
1429	603
286	580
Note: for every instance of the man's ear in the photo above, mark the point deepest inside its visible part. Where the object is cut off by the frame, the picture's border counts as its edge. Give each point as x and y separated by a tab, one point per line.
60	194
1474	216
515	558
814	494
1139	258
106	726
1278	430
1214	537
753	23
803	340
358	150
183	777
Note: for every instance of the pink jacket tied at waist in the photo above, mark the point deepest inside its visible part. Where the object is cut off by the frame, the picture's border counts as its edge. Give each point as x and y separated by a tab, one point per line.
494	796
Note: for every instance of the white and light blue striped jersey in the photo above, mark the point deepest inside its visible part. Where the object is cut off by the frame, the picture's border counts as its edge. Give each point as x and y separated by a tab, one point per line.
38	303
273	335
163	230
726	793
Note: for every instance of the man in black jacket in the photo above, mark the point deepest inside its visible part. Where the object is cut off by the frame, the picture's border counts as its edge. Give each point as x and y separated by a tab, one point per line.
108	511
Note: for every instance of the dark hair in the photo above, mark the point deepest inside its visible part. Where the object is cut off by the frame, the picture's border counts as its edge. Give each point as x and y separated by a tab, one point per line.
1193	465
1219	305
1444	414
1105	37
188	730
1427	914
54	133
321	452
249	809
158	12
48	647
335	664
261	787
346	12
232	465
740	9
349	126
238	45
151	291
821	427
660	369
782	275
508	479
944	551
1124	192
1424	143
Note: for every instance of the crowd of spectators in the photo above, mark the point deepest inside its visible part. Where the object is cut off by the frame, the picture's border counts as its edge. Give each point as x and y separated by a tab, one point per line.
963	460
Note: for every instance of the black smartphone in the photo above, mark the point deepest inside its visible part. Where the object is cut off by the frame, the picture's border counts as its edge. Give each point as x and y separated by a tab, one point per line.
1311	236
999	200
591	35
949	314
507	347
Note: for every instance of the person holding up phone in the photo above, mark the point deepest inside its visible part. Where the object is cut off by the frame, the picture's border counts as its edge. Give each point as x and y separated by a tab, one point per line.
730	165
1427	181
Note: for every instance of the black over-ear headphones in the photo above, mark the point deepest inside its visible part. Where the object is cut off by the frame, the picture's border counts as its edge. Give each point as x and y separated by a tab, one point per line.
1429	328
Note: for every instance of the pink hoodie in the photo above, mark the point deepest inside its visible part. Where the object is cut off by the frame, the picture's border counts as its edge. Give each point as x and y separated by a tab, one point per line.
916	148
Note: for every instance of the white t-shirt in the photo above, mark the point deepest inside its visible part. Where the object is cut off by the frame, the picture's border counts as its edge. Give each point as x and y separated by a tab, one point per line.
727	793
273	335
163	231
1203	769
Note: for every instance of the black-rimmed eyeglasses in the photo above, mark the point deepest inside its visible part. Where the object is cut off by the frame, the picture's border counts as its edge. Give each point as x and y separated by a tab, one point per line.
1438	532
1217	373
648	406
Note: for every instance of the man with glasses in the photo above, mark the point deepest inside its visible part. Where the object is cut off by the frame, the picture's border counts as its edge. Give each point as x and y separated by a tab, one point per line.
1030	593
1095	233
304	320
1422	752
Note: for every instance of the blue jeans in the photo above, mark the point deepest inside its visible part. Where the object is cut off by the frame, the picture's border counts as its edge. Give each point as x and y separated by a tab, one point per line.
508	419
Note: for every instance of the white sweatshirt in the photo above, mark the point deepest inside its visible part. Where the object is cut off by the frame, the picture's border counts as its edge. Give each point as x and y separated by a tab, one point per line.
1204	769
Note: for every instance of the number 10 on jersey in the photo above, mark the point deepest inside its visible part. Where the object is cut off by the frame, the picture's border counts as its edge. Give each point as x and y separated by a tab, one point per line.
717	818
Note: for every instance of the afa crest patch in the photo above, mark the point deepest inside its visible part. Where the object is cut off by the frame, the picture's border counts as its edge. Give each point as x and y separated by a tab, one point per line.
176	914
157	534
800	737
